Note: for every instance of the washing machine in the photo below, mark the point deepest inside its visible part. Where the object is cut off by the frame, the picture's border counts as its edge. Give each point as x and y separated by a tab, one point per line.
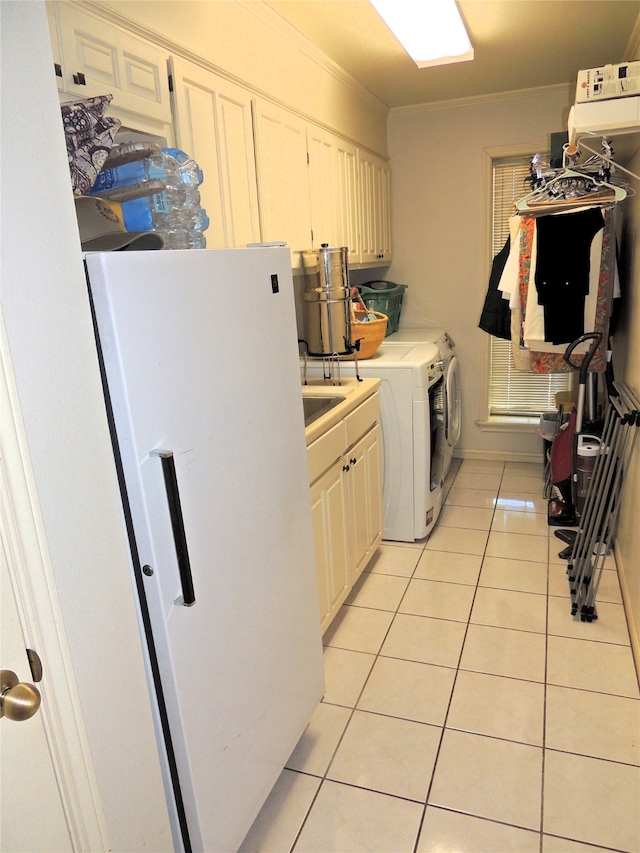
449	403
411	419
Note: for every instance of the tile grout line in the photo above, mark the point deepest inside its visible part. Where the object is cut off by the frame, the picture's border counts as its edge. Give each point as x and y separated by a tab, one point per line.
323	779
455	678
359	696
544	700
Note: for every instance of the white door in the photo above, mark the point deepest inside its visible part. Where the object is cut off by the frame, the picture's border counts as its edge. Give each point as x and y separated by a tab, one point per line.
32	819
49	800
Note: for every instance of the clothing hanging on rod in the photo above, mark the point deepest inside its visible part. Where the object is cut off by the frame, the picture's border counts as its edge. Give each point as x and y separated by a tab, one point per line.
546	358
496	315
534	317
531	349
560	278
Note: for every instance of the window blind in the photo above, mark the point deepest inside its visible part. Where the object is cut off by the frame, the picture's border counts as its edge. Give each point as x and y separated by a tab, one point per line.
512	392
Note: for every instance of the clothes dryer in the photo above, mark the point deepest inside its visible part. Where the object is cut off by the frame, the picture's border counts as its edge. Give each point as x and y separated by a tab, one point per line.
449	404
412	380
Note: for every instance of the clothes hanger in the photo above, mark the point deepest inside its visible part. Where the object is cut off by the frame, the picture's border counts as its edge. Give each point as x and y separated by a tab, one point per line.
573	187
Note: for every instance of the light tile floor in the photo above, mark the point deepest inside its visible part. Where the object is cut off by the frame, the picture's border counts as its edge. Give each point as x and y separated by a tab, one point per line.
465	709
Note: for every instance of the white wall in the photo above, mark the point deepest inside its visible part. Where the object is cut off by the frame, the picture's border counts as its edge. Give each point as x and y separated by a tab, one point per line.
439	196
46	312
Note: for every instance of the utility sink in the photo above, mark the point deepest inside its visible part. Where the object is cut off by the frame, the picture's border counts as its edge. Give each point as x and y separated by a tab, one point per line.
315	407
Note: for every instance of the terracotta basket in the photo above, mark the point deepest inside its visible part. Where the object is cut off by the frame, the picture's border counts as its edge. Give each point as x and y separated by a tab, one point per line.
370	334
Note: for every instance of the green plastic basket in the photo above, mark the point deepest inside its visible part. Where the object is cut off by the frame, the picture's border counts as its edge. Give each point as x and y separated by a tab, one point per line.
387	300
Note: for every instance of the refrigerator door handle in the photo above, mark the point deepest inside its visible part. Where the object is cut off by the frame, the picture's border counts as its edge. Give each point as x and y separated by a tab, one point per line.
188	597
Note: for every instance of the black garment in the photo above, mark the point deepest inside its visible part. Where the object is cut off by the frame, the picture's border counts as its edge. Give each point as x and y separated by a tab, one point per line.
496	315
562	271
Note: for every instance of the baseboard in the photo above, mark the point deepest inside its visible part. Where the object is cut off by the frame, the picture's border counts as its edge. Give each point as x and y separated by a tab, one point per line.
626	601
499	456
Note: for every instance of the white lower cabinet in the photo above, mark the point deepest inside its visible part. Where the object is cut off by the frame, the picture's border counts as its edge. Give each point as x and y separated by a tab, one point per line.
346	500
329	508
365	499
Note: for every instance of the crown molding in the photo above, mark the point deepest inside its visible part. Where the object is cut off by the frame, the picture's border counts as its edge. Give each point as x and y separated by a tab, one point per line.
475	100
285	30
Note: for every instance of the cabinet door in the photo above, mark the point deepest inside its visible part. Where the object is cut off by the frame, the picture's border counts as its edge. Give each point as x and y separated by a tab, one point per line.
374	205
383	194
333	185
100	58
348	223
213	124
283	180
324	190
329	513
365	498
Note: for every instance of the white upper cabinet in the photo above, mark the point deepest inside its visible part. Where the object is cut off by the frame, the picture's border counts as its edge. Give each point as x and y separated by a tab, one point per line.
213	123
348	211
283	177
333	181
323	187
375	207
98	57
269	173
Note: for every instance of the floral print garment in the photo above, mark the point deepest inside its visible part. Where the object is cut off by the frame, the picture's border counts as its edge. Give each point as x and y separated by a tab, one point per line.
89	136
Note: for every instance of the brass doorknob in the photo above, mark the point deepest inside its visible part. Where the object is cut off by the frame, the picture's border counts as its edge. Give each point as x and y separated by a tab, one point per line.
18	701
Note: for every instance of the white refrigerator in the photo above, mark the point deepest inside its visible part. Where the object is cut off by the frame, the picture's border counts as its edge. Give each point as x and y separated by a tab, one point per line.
210	453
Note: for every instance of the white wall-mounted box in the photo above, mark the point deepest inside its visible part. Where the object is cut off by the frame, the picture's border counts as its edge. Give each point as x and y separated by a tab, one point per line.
605	118
608	81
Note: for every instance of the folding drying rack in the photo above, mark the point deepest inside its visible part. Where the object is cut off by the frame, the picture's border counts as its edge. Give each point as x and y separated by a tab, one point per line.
601	511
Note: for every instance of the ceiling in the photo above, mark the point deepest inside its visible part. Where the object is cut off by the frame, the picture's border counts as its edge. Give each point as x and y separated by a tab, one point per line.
519	44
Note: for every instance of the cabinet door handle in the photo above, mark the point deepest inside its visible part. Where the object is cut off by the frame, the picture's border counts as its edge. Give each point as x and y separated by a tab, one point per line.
177	524
79	79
